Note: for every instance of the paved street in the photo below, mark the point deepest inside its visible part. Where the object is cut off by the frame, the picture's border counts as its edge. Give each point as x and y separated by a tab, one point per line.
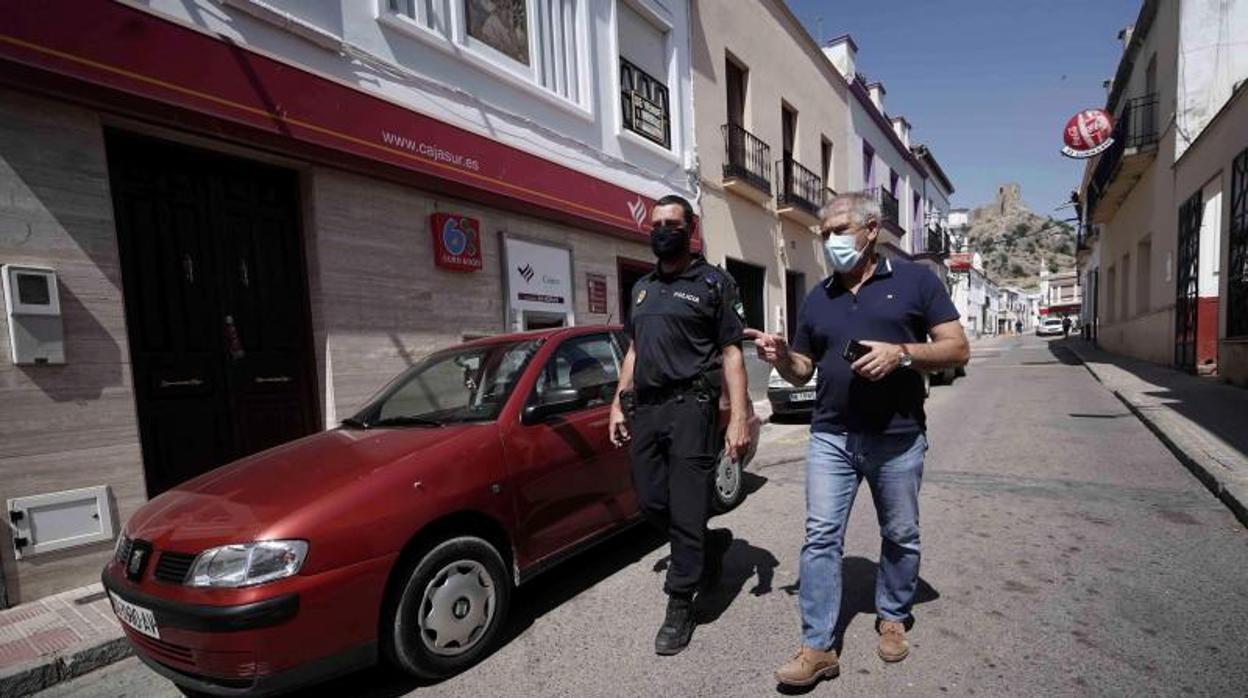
1066	552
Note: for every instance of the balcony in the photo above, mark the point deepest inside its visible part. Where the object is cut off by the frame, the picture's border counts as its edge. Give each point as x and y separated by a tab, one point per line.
891	213
745	164
937	242
1125	161
800	194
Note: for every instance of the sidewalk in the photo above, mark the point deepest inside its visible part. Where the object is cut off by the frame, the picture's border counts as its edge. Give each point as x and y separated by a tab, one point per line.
57	638
1204	423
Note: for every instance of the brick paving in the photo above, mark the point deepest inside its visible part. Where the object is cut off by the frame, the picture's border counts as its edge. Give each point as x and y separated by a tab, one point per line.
55	638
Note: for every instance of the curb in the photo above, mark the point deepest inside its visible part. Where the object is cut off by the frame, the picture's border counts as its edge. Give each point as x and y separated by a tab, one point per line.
40	674
1233	495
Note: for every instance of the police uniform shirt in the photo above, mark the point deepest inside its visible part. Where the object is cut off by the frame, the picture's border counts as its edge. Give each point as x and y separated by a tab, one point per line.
899	304
680	324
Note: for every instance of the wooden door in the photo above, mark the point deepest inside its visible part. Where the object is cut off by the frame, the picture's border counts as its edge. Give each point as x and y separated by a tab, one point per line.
204	238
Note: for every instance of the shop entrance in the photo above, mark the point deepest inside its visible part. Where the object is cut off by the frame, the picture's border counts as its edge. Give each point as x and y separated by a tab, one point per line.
750	280
216	305
630	272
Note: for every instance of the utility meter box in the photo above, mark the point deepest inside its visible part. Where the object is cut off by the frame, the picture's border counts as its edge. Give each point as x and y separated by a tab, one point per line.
32	302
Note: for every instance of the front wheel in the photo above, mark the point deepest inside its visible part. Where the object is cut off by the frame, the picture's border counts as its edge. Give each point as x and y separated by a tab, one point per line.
449	609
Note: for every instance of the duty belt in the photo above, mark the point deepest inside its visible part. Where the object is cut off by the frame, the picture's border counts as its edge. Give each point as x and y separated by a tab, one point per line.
696	385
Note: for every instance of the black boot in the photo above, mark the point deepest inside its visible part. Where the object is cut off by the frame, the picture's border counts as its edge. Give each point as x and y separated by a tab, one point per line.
677	628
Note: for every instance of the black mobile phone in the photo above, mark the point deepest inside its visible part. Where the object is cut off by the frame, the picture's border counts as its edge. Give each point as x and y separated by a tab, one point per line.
855	350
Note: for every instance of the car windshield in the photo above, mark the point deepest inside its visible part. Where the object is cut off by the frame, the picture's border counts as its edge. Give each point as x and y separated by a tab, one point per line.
466	384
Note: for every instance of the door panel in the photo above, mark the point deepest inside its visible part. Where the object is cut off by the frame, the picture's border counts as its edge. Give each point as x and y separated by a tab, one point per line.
203	237
570	482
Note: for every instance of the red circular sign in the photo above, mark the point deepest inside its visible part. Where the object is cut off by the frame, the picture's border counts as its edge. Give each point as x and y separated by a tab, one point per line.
1088	133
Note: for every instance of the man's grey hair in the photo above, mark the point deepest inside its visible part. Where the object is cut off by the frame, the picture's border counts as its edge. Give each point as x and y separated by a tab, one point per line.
864	206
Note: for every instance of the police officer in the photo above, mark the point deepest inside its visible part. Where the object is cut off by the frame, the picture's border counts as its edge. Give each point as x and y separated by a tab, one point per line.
686	330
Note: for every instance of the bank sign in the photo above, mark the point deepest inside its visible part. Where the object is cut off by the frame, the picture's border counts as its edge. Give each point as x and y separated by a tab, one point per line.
539	277
456	242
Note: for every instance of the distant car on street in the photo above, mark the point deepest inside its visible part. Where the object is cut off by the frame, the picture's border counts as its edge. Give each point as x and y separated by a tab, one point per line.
1049	326
398	535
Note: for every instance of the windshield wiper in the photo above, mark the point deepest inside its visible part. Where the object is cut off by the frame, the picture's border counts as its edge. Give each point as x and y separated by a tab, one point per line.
354	423
405	421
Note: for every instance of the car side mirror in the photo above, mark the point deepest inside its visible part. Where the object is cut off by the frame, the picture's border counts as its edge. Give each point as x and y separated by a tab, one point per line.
552	402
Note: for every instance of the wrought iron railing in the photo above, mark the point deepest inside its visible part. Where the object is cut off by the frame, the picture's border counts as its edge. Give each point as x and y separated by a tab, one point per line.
937	241
746	157
889	207
798	186
1136	127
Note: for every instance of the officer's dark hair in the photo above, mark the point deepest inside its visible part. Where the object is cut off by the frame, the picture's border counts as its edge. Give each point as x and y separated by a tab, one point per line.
683	203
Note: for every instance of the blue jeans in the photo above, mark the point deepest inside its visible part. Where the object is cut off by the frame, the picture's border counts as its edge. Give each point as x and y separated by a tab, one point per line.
892	465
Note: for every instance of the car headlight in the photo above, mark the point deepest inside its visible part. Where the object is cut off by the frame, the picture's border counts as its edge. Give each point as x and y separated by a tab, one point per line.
247	564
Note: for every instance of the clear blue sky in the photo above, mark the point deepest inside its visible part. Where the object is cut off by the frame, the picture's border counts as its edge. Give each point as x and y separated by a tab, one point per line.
987	84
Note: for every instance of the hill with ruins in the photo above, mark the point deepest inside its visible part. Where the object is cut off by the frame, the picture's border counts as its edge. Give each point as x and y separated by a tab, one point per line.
1014	241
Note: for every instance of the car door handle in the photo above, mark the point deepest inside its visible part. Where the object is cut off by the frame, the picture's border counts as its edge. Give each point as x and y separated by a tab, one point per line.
272	379
188	383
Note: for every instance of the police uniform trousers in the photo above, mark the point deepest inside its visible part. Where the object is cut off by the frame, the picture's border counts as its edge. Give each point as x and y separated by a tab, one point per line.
675	447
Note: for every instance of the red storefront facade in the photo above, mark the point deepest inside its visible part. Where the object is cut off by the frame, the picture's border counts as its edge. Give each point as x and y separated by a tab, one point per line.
244	251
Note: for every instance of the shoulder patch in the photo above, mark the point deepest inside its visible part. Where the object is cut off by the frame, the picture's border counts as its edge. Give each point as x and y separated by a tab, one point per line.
641	296
739	309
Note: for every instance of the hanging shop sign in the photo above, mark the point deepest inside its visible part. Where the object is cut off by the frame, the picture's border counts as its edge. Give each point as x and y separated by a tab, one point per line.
456	242
1088	133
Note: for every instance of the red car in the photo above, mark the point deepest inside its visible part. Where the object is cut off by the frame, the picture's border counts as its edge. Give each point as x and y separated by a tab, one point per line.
399	534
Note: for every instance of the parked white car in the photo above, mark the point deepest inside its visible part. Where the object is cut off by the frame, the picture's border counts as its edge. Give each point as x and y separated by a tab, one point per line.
1049	326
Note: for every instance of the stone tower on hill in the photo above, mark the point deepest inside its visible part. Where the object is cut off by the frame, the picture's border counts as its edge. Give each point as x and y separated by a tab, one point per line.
1009	201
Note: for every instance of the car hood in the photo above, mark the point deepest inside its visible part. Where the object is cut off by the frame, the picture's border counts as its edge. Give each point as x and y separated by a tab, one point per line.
247	499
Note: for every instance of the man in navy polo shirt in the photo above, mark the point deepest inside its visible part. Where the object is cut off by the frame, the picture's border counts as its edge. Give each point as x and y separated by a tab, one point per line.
866	329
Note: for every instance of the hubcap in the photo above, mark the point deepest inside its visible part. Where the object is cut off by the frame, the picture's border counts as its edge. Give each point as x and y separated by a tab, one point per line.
456	608
727	479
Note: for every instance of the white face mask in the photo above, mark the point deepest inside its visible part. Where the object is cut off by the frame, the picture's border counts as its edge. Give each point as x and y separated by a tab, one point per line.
842	252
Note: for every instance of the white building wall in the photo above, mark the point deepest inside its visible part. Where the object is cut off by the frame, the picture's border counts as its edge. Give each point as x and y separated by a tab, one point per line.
440	73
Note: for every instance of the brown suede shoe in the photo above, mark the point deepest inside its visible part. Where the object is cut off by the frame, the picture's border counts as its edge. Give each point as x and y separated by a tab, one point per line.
808	667
893	643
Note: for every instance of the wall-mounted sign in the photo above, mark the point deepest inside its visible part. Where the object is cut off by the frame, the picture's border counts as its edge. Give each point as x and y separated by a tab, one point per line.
1088	133
456	242
597	293
539	277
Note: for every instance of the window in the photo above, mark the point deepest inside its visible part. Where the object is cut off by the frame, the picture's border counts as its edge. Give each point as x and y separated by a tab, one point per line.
539	42
419	11
1237	269
644	95
868	166
1125	312
1111	296
503	25
1143	272
735	78
825	162
458	385
589	365
893	178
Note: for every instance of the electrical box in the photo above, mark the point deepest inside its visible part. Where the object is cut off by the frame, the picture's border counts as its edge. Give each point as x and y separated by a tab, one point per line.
32	302
43	523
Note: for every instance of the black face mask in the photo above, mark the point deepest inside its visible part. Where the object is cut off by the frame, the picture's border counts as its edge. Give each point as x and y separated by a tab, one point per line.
669	242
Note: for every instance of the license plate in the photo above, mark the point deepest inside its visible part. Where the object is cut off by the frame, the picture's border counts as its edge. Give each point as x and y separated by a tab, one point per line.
137	617
802	397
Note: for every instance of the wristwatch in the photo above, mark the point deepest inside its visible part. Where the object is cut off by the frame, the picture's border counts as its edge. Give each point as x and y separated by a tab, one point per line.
906	359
